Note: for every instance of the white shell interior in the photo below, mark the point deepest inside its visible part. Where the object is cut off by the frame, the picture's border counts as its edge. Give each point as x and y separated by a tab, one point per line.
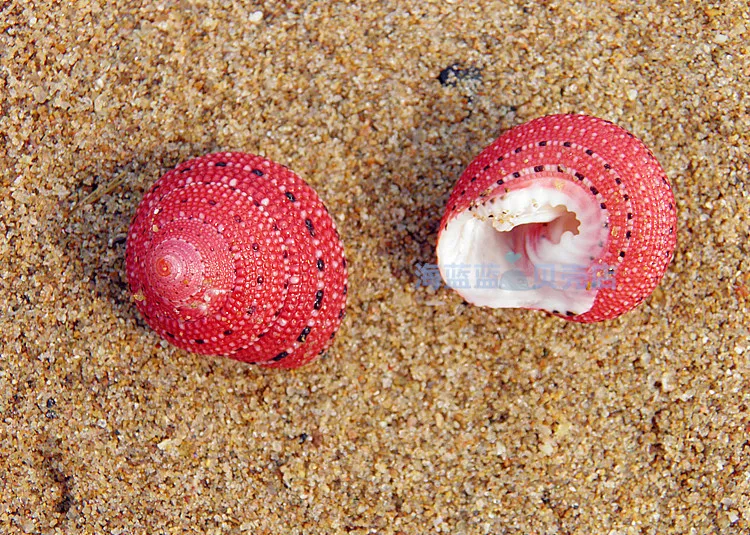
528	248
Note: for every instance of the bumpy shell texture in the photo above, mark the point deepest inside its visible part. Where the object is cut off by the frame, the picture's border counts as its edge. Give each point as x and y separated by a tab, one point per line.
567	213
232	254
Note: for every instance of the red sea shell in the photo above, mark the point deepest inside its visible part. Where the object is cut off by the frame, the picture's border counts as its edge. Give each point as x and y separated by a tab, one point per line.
567	213
232	254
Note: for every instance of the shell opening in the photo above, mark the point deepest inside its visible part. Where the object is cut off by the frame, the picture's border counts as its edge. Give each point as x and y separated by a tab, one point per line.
535	245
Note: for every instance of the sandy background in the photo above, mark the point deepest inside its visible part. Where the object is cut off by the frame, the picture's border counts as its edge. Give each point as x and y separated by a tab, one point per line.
428	416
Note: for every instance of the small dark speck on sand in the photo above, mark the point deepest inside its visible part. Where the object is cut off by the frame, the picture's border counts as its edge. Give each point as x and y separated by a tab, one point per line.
453	74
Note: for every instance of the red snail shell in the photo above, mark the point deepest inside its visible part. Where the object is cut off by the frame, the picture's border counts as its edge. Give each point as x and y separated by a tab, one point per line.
566	213
232	254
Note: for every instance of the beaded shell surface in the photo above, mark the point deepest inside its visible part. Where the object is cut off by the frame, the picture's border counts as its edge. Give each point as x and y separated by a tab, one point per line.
620	245
232	254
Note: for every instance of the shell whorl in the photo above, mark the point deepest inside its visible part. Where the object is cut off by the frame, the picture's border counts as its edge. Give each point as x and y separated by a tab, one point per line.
232	254
625	227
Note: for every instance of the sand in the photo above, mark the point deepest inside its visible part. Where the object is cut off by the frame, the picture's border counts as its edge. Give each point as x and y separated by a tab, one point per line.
427	415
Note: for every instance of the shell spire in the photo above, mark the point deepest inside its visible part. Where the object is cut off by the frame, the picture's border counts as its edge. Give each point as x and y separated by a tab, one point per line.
232	254
566	213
